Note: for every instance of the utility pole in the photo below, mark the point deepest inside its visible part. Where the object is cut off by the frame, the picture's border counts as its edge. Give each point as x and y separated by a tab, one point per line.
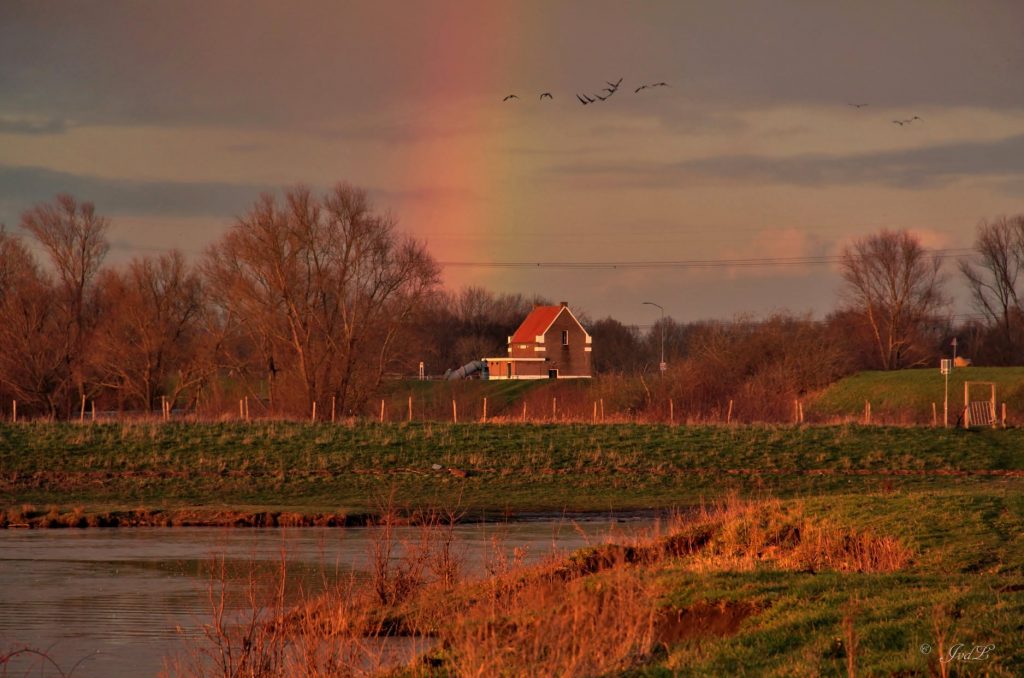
661	366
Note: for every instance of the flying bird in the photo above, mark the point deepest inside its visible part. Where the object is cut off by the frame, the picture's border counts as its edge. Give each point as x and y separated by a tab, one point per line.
510	96
601	97
899	122
660	84
615	84
639	88
856	105
546	94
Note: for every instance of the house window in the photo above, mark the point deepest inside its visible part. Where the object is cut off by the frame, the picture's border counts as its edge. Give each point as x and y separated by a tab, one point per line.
565	337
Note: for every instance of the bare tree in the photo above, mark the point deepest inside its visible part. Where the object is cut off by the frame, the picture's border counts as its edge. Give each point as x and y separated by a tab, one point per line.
993	277
324	286
148	338
32	368
896	288
74	238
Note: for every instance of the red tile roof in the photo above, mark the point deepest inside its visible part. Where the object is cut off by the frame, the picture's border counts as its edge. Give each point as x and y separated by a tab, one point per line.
536	323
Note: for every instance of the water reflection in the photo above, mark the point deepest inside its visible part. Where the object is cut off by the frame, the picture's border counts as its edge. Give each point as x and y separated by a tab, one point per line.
118	601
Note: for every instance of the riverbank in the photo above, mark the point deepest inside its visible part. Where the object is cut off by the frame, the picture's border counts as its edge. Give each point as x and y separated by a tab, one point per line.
928	583
295	473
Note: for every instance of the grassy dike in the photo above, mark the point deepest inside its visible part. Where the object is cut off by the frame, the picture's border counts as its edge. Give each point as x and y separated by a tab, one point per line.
346	470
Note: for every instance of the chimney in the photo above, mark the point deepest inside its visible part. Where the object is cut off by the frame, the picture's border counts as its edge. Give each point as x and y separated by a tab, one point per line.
563	303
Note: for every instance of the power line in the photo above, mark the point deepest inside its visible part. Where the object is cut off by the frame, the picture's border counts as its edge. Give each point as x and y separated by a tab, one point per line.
682	263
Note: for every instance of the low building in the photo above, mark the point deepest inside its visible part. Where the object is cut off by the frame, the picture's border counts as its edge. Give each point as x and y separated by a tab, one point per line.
549	344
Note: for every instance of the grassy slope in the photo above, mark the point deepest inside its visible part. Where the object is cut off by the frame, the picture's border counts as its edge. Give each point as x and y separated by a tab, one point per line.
969	565
511	467
908	394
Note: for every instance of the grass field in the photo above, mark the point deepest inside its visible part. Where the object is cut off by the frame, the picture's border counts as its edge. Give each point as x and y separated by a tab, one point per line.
855	550
906	396
493	468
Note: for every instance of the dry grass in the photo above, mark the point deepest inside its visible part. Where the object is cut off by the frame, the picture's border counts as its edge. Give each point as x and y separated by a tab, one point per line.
593	613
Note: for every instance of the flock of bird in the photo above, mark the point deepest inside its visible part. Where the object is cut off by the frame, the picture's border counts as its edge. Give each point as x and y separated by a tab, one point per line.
613	87
593	98
901	123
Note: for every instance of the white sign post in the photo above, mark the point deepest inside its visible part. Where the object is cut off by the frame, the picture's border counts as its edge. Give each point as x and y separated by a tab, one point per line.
945	367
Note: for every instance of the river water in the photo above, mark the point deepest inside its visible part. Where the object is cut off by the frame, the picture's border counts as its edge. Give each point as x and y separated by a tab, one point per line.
117	602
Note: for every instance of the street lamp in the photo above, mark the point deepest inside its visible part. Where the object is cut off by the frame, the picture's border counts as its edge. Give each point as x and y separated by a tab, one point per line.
662	366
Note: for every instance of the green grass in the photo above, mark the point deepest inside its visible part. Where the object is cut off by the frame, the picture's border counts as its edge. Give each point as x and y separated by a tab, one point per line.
511	467
907	395
967	578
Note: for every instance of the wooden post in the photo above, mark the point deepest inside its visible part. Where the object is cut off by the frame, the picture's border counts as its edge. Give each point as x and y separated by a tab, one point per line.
247	417
484	418
602	409
241	409
313	419
410	408
796	411
455	413
671	412
524	411
554	407
94	409
81	414
595	412
14	411
867	412
993	406
333	400
800	409
935	415
382	410
1004	415
967	408
728	416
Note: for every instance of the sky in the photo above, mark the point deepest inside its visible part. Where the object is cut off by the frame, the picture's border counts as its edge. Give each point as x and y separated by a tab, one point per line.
173	117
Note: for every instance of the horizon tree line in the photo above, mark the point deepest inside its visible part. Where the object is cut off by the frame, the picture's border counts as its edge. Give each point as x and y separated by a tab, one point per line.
318	298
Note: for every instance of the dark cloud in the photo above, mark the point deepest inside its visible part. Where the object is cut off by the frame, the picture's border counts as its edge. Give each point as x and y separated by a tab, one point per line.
123	62
22	187
911	169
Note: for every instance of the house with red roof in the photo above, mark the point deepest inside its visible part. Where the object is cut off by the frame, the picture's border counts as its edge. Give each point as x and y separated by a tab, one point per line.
549	344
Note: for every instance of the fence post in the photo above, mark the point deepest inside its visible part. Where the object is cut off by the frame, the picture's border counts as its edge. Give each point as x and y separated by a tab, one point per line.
313	418
935	415
333	401
14	411
484	419
410	408
1004	415
800	409
248	417
867	412
602	409
382	410
241	410
93	403
594	420
81	414
554	407
455	413
671	412
728	415
524	411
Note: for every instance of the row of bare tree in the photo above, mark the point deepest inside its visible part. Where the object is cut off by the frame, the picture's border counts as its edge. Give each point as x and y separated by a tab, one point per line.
315	298
303	299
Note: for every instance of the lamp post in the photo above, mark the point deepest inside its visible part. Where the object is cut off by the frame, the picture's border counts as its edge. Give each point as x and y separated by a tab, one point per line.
662	366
